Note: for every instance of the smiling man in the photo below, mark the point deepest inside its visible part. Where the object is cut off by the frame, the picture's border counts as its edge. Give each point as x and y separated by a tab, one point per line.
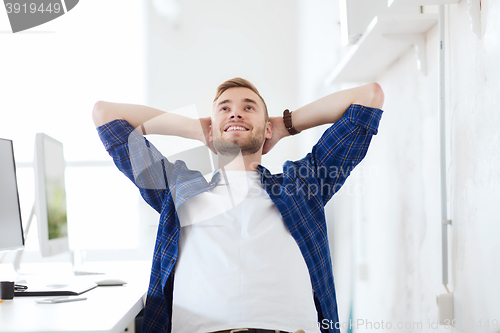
246	250
244	131
239	123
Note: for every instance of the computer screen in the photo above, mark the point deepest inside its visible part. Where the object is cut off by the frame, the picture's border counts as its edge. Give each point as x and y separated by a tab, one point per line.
50	192
11	229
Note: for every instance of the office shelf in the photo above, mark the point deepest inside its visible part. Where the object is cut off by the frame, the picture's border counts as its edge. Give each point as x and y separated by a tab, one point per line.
384	41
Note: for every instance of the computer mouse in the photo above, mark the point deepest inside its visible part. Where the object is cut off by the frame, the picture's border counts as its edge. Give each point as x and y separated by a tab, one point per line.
110	282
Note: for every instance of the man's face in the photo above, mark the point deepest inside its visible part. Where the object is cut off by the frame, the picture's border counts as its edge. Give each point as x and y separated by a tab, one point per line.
239	123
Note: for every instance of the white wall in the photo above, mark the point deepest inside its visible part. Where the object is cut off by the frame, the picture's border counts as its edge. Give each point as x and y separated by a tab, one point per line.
210	42
318	53
475	175
394	223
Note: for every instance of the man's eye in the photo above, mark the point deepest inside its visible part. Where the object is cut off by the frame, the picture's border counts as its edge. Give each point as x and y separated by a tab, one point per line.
224	109
250	107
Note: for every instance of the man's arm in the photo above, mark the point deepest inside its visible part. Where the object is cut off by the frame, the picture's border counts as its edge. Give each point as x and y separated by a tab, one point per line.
326	110
331	108
154	121
121	128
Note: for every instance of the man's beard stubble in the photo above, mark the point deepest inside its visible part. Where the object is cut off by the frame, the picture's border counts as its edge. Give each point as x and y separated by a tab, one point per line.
248	147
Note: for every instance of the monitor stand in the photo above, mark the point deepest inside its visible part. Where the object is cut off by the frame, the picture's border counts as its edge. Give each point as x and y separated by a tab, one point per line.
19	254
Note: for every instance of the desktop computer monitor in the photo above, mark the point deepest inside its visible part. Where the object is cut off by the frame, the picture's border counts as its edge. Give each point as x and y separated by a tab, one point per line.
50	195
50	210
11	228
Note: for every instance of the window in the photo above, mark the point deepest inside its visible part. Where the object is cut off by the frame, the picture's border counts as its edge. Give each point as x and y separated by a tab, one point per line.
51	77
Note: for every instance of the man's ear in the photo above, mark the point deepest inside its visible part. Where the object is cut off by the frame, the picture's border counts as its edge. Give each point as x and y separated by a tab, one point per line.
269	130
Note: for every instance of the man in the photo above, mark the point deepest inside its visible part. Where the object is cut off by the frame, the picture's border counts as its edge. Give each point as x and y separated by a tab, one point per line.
247	250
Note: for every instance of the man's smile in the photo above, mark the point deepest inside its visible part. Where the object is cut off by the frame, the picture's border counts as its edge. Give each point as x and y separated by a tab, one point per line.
235	127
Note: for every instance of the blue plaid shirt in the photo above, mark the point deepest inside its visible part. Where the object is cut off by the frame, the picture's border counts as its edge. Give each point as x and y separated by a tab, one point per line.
300	193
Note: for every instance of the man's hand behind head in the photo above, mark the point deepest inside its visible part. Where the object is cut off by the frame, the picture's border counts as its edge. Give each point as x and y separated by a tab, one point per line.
205	125
279	132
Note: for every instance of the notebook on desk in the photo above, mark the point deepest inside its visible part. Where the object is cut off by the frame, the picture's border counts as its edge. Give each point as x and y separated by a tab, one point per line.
56	289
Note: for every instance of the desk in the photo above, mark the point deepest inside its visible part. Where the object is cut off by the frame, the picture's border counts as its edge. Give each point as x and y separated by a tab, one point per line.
107	309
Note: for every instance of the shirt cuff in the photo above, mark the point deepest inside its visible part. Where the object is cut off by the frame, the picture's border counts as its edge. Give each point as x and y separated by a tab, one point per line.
117	132
365	117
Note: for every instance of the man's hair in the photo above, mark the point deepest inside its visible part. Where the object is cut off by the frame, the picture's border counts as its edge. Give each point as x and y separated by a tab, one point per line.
239	82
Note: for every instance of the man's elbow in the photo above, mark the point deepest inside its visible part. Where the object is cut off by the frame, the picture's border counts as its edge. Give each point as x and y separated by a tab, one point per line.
99	114
376	94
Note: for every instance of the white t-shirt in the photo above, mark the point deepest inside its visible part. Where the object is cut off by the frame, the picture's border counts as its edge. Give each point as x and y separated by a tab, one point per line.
238	264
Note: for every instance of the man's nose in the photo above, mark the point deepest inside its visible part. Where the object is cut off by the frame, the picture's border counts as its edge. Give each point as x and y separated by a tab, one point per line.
235	114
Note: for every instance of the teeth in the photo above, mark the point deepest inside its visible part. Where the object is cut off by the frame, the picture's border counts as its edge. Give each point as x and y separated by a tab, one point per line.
236	128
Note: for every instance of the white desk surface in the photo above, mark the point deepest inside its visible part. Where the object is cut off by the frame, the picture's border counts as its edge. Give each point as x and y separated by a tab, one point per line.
107	309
